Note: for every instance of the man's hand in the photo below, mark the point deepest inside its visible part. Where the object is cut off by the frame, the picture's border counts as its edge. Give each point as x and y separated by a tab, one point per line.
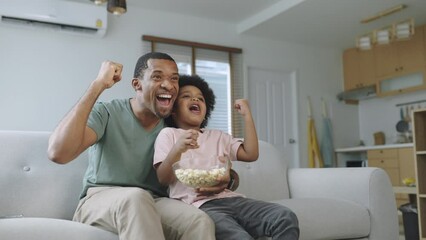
110	73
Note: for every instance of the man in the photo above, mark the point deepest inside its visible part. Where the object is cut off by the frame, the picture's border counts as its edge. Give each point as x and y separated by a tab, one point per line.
121	191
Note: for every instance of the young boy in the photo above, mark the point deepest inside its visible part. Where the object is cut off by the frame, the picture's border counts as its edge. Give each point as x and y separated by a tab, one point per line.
235	216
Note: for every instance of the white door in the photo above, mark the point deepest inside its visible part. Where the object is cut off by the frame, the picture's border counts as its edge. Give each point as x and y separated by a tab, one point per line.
273	101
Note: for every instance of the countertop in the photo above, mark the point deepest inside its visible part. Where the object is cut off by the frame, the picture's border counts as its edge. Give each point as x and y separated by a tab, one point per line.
366	148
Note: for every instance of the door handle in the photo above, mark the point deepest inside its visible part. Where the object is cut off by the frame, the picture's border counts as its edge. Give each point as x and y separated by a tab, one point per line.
291	141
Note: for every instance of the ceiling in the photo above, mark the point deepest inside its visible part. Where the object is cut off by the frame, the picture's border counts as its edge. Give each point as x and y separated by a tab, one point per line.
331	23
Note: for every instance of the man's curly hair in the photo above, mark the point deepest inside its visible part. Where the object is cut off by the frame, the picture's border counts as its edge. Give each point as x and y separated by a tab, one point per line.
209	97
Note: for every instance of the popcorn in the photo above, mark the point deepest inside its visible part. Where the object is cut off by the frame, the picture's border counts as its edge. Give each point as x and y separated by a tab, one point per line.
198	177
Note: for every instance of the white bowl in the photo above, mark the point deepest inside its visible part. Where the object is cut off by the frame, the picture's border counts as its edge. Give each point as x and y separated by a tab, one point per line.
205	174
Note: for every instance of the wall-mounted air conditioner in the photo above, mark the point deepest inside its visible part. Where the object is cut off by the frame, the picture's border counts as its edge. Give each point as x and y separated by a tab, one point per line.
58	15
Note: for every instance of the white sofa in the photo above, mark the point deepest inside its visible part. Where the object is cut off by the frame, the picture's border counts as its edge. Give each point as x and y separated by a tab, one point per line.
38	197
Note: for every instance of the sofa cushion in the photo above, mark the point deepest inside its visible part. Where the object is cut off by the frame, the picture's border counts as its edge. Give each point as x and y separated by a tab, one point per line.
50	229
266	178
322	218
33	186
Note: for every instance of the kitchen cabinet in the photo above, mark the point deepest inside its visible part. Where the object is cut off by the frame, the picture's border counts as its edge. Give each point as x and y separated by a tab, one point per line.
400	66
391	69
424	42
419	134
386	159
406	163
398	163
358	68
406	170
400	57
402	84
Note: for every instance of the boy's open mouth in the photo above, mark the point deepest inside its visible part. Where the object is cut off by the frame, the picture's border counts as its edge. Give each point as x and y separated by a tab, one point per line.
194	108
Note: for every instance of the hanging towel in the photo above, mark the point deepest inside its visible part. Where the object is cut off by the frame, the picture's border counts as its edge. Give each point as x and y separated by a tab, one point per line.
327	146
314	154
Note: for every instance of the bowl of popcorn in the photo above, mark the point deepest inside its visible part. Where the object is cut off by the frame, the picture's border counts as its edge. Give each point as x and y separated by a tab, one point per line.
197	172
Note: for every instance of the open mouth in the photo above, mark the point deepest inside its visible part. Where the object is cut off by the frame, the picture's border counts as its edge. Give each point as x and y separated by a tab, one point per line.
164	99
195	108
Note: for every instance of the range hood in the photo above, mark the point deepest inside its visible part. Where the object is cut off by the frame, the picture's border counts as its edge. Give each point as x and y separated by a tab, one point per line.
358	94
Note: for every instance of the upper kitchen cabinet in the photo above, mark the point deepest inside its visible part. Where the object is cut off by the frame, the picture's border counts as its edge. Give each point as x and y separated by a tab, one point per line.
358	68
400	57
400	66
388	69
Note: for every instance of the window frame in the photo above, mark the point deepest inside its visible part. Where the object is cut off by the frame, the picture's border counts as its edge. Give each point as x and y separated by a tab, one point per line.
235	66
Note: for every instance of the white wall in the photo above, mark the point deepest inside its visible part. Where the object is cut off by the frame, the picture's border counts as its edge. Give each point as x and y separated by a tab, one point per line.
43	73
382	114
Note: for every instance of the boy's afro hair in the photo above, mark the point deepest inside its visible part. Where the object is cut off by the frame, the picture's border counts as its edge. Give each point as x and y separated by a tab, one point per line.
209	97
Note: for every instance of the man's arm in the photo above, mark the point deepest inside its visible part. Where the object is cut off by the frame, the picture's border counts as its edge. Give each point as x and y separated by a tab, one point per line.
72	136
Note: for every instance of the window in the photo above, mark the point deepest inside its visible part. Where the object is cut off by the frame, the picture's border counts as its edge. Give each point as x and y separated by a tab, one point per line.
219	66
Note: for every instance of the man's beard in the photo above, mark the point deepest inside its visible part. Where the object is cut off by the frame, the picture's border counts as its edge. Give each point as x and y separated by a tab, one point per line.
162	114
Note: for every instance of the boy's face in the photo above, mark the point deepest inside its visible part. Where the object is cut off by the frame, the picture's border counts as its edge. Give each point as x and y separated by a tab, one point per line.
190	108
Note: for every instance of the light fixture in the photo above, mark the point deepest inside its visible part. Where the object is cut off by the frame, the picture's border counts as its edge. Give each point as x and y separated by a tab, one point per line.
383	35
117	7
384	13
99	2
364	42
403	30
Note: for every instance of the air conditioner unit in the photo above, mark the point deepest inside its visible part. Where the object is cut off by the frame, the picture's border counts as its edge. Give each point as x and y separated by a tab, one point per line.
65	16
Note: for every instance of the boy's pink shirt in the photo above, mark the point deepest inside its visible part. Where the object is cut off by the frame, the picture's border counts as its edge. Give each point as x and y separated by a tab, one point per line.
211	142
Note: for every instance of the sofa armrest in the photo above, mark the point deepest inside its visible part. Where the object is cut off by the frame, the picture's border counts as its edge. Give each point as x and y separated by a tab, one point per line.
369	187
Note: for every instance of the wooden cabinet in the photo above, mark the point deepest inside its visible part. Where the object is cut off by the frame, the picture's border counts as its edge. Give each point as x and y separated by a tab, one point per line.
400	66
419	134
406	163
398	164
358	68
386	159
394	68
400	57
424	42
406	170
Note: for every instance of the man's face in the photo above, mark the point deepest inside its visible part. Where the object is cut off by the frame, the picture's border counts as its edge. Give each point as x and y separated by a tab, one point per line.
160	85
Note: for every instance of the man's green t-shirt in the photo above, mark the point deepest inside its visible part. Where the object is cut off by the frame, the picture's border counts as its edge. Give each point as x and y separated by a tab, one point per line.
123	153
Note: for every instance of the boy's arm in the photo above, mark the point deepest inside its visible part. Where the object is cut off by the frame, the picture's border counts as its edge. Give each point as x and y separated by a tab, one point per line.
164	168
249	149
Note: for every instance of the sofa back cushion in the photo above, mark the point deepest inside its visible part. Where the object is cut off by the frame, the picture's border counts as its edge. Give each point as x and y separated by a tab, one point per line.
33	186
266	178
